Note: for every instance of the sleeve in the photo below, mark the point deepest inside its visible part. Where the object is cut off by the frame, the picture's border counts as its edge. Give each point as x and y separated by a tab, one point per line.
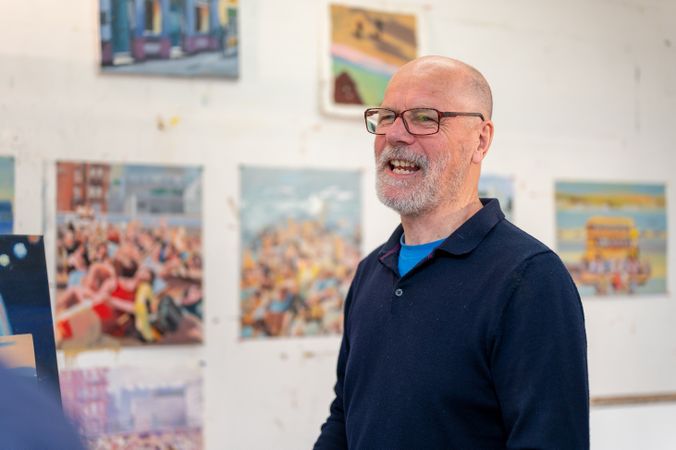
333	435
539	360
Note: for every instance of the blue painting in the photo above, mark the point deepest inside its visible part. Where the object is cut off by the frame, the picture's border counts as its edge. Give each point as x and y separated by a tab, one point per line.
25	310
6	195
500	187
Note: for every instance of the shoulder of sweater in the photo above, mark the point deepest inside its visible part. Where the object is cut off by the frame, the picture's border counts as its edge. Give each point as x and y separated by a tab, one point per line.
517	242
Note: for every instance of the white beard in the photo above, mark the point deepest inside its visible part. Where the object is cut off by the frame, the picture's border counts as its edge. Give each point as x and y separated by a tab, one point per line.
416	197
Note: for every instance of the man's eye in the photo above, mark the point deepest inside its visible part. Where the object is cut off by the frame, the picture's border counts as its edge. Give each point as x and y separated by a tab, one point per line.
422	118
386	118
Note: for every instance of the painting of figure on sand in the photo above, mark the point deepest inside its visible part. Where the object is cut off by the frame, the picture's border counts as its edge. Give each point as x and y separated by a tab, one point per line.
365	47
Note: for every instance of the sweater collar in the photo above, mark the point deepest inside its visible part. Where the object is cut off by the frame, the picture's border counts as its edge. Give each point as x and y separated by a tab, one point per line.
461	241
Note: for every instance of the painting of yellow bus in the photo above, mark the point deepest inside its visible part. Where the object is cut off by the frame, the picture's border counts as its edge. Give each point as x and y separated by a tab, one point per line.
613	237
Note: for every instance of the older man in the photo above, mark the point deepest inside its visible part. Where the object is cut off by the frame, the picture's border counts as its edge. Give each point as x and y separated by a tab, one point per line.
461	331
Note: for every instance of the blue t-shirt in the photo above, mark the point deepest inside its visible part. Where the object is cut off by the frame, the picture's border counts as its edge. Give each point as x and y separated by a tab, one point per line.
410	255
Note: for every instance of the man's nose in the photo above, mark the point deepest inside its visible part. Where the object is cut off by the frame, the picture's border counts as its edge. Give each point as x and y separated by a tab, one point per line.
397	133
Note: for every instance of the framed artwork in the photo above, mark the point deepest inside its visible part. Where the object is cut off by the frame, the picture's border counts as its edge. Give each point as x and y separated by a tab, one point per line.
500	187
364	46
182	38
26	327
613	236
6	194
131	407
300	238
129	255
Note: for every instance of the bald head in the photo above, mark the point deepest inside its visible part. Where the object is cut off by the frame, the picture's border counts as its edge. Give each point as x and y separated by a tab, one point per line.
453	77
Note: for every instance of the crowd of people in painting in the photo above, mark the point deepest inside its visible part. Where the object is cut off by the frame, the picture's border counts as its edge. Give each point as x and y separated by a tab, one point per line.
127	283
155	440
612	275
295	277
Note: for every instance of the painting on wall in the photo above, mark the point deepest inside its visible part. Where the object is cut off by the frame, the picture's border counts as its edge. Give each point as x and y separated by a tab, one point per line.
129	255
300	237
365	46
6	194
130	407
183	38
500	187
26	327
613	237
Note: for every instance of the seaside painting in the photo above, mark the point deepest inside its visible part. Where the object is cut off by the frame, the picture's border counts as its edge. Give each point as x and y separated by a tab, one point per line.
613	237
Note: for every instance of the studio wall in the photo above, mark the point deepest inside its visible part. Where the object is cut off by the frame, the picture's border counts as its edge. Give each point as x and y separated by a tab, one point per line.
583	90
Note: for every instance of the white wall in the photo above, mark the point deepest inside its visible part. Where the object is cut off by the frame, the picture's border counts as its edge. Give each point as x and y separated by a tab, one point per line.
583	90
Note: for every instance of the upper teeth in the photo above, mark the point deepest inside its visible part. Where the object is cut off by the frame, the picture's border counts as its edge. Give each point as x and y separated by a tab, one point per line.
402	163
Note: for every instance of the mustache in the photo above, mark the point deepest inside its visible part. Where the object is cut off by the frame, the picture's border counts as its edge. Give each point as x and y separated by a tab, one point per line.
389	153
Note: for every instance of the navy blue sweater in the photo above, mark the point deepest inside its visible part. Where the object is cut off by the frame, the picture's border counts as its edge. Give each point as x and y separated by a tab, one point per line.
480	346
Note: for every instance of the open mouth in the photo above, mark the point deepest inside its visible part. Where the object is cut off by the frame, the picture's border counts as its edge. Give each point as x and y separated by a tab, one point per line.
403	167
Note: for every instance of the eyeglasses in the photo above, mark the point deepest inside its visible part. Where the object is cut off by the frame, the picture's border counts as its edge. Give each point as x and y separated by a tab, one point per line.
417	121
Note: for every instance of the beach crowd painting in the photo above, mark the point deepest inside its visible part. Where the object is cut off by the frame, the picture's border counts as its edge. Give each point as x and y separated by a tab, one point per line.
613	236
300	246
129	255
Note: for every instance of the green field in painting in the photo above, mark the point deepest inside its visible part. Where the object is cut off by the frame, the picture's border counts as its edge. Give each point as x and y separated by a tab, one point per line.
370	85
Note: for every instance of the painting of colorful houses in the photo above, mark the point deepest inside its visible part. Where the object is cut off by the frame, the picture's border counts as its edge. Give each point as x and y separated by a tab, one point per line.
134	407
365	47
189	38
613	237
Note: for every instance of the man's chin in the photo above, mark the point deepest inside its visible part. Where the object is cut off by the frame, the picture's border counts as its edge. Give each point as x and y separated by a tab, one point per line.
405	206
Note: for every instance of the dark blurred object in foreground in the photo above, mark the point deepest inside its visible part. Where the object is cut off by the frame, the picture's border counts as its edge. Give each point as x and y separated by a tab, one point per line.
30	418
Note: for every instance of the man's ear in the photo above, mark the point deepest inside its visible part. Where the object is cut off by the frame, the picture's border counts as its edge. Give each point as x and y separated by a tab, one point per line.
485	139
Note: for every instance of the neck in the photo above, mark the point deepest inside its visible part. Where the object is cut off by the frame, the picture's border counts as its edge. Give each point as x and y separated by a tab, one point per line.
438	223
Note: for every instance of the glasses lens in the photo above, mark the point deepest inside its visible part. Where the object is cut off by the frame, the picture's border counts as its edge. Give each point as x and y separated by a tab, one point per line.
422	120
378	119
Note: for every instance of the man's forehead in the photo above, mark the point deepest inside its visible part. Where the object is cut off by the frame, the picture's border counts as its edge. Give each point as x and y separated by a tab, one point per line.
423	89
438	82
